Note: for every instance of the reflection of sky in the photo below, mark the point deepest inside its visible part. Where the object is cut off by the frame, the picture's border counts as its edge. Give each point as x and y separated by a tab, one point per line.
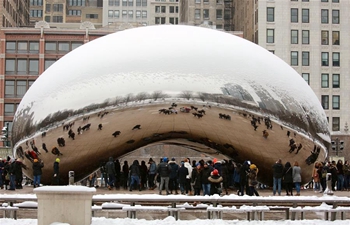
166	58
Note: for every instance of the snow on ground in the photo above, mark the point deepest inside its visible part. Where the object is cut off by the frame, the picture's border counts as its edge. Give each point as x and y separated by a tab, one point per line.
172	221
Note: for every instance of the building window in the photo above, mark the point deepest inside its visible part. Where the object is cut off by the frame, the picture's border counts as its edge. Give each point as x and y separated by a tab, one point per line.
163	9
335	16
294	58
110	13
36	13
34	47
160	20
91	16
33	67
50	47
22	66
335	37
270	38
294	15
198	1
324	15
131	14
144	14
144	3
173	20
325	58
336	59
325	101
138	2
36	2
219	14
138	14
76	45
294	37
306	77
58	7
335	1
205	13
324	37
82	2
10	46
63	46
116	13
336	80
305	15
9	109
324	0
9	89
270	17
171	9
47	19
131	3
21	88
197	13
49	62
305	37
77	12
125	3
336	102
305	58
124	14
324	80
22	47
157	9
335	123
57	19
10	66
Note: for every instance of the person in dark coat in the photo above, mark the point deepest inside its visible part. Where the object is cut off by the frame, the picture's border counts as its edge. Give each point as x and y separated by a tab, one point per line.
37	172
117	173
196	179
277	169
125	169
173	177
56	172
19	173
143	174
288	178
164	172
243	182
215	182
225	175
135	174
110	170
182	173
253	180
204	175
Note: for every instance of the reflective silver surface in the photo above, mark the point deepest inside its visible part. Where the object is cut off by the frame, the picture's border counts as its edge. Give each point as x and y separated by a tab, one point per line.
159	77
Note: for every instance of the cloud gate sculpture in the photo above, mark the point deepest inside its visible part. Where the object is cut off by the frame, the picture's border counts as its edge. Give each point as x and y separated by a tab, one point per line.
176	85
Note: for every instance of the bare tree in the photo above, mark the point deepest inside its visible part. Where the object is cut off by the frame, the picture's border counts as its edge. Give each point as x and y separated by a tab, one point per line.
141	96
118	100
128	98
203	96
157	94
186	94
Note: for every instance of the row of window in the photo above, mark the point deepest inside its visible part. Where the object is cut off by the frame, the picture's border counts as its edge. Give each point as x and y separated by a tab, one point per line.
162	9
334	1
305	15
324	80
25	66
39	13
335	101
33	46
220	14
127	2
17	88
162	20
305	37
294	58
70	2
127	14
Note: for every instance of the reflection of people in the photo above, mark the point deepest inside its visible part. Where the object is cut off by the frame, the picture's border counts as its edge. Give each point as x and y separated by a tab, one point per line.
56	172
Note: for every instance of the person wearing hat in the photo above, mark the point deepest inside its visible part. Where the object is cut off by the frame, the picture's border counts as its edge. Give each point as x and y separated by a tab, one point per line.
37	172
56	172
164	172
215	180
252	180
173	177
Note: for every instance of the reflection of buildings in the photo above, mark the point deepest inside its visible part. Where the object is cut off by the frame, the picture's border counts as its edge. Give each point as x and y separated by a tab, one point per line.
312	37
28	53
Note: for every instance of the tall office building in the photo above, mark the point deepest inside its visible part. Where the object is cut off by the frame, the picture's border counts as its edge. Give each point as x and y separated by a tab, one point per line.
217	14
312	37
134	13
14	13
63	13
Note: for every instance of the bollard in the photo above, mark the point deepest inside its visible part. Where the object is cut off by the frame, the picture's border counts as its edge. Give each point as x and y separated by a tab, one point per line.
71	177
328	190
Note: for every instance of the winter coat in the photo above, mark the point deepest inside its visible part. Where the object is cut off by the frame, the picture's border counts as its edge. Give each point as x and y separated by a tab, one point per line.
189	167
163	169
288	174
196	178
296	174
215	184
205	174
37	168
182	173
174	168
110	168
277	170
253	177
135	169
